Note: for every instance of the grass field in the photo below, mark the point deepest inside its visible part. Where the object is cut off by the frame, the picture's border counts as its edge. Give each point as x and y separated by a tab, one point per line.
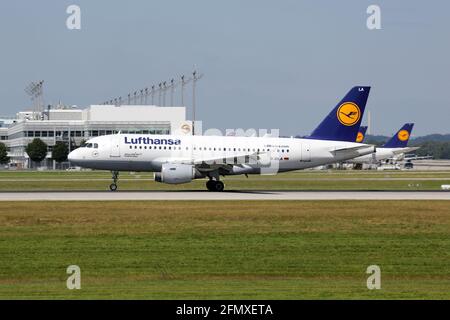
300	180
241	250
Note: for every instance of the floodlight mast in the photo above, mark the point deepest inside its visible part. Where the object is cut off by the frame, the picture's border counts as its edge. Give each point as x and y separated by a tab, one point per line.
172	89
36	92
161	89
159	93
183	83
153	95
195	78
164	92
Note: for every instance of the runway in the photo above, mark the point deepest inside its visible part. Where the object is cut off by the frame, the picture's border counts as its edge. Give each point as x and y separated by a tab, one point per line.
230	195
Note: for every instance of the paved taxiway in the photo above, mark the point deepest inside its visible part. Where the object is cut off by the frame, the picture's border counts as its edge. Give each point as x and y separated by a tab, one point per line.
230	195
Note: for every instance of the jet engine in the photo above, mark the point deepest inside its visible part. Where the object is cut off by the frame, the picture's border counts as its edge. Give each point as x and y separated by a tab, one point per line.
174	173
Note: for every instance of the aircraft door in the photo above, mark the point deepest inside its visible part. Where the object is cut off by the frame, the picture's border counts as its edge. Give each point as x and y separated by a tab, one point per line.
115	146
306	153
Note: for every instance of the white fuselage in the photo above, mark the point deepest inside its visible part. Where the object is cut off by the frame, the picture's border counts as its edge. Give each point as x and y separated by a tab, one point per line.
244	155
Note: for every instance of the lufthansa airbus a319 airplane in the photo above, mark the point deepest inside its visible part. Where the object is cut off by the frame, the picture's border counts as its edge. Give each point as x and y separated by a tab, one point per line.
394	149
180	159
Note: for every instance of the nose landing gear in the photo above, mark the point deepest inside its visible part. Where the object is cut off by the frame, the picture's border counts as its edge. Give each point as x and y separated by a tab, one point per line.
115	177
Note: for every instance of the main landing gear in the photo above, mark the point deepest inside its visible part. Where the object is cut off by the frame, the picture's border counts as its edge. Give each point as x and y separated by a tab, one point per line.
214	185
115	177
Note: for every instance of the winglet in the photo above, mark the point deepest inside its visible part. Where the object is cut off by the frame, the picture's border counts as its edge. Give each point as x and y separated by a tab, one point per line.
401	138
343	122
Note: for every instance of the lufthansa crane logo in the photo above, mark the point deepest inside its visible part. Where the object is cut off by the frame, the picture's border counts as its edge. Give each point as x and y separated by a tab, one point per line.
359	137
403	135
186	128
348	114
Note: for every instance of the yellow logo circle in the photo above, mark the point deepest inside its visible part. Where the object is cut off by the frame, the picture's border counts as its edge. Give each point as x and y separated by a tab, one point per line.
348	113
186	128
403	135
359	137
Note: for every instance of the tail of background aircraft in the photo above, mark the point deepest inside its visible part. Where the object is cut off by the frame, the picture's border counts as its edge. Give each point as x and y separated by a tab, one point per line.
401	138
343	122
361	134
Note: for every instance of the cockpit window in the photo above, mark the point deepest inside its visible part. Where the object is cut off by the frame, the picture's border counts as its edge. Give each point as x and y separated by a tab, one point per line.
89	145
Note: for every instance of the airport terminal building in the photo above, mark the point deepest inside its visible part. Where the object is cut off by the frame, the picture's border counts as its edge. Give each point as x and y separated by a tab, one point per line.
73	126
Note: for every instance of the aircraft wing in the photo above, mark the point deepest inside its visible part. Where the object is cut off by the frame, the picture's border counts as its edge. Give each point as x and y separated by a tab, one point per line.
227	159
404	150
213	163
418	158
353	150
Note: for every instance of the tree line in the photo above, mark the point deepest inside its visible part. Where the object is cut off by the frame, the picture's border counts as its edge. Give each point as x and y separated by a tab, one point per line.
37	151
435	145
437	149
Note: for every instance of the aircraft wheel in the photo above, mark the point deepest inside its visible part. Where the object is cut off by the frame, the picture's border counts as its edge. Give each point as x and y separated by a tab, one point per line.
113	187
210	185
219	186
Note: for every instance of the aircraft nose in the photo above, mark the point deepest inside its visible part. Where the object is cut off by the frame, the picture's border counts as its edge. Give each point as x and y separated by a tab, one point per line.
73	156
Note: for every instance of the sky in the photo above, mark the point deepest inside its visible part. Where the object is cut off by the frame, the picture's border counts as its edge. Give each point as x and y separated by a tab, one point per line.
266	64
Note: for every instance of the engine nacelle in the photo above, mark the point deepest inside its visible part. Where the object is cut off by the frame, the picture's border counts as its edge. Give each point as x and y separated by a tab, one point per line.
174	173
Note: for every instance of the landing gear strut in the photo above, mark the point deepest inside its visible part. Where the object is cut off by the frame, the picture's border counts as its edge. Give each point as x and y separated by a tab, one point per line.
115	177
215	185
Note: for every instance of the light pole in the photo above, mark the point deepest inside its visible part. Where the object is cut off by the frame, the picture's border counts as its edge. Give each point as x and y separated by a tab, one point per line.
195	78
153	95
35	91
172	88
164	93
182	90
